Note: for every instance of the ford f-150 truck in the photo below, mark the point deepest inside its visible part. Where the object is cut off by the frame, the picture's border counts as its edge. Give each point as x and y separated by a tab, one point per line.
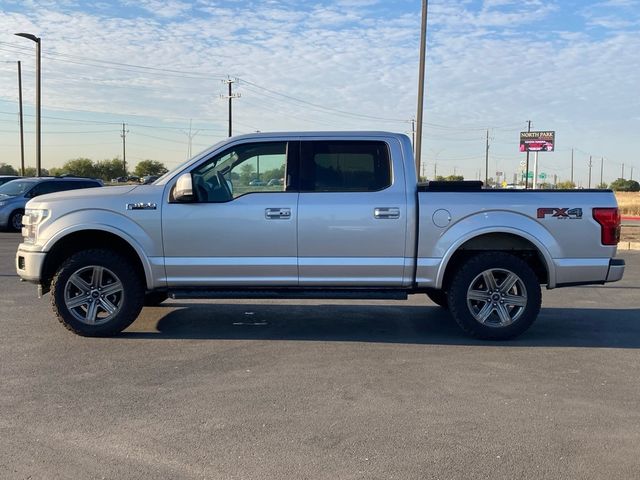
344	217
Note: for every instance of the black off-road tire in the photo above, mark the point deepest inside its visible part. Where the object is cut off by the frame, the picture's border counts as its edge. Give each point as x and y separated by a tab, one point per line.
439	297
13	220
155	298
131	303
469	271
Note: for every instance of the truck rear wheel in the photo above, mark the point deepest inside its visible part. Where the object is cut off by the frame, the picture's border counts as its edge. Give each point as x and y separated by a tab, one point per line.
494	296
439	297
96	293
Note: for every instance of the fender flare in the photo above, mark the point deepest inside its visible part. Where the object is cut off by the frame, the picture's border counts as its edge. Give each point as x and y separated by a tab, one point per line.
498	227
64	232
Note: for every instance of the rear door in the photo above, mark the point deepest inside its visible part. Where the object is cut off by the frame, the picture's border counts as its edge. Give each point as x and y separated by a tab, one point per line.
352	213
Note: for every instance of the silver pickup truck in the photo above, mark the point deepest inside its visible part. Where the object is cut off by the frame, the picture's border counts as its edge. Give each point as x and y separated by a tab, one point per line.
314	215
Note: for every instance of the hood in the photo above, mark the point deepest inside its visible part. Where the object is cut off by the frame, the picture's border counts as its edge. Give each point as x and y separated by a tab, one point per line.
84	194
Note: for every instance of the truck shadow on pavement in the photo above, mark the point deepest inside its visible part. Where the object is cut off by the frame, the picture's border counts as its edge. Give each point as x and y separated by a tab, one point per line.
555	327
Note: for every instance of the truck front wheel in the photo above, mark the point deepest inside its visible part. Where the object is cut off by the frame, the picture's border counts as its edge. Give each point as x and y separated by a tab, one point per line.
96	293
494	296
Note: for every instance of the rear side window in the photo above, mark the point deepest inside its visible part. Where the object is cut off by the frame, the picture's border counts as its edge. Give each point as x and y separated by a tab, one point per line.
344	166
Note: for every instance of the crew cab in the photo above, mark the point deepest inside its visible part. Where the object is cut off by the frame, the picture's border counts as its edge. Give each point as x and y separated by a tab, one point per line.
349	221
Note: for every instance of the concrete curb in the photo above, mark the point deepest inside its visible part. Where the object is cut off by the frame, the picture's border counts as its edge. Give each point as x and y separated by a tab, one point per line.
629	246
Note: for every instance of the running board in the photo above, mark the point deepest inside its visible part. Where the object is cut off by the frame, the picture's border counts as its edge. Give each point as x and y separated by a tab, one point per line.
292	294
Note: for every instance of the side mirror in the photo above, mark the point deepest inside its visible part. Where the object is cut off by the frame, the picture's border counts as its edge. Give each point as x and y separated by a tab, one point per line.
183	191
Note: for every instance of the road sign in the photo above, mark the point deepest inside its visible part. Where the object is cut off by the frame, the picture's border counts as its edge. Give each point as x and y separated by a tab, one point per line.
542	176
523	163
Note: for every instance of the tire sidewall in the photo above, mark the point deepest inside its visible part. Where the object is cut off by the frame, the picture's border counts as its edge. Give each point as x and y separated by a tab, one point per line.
132	286
474	267
12	218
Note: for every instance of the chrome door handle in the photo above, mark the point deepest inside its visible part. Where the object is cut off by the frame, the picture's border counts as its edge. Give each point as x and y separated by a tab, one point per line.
386	212
275	213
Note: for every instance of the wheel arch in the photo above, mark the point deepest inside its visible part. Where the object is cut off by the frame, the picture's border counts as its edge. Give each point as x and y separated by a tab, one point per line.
510	240
70	242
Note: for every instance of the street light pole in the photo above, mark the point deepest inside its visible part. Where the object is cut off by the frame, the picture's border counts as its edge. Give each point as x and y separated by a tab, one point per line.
35	39
423	48
21	121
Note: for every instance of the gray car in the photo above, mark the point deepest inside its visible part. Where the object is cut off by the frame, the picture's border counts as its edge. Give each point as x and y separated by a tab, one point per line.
15	194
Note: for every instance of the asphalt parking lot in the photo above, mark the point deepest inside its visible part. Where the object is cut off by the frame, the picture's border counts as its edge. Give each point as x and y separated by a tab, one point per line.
317	389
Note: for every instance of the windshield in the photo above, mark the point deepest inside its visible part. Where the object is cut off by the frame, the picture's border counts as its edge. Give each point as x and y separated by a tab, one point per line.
16	187
193	159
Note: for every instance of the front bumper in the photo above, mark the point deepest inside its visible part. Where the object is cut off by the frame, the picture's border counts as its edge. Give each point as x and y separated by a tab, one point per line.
29	264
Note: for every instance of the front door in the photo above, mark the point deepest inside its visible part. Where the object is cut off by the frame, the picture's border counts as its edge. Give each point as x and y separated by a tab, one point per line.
241	228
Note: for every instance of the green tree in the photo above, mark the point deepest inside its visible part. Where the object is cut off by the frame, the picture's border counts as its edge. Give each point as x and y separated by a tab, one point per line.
622	185
602	186
246	173
450	178
81	167
276	173
566	185
109	169
31	172
150	167
7	169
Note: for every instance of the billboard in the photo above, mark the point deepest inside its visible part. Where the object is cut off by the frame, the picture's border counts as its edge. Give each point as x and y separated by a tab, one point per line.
537	141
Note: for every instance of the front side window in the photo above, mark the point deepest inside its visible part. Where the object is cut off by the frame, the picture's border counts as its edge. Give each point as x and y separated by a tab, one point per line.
344	166
246	168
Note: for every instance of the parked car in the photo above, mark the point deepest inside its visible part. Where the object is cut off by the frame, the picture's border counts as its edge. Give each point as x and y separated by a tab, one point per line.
353	223
7	178
148	179
257	183
275	182
15	194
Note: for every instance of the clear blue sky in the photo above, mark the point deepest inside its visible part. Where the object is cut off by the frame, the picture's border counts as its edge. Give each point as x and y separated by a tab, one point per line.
569	66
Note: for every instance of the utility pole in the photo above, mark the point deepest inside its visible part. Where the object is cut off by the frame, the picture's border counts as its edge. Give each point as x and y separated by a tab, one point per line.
622	171
601	169
590	165
230	96
526	172
631	173
486	162
572	166
423	51
21	121
124	149
435	171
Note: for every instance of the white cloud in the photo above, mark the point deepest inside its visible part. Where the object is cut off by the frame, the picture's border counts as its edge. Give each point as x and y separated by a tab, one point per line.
483	69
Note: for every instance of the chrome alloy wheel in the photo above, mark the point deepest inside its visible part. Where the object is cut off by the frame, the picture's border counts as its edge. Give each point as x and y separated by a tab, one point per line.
497	297
93	295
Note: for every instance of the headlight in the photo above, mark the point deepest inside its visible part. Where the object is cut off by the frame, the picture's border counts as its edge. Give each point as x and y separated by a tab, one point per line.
30	220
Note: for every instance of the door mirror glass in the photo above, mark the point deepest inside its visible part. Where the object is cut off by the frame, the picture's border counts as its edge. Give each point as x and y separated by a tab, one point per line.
183	191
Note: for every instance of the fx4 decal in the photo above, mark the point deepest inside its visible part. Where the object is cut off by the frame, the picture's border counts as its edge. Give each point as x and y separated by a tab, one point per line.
562	213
